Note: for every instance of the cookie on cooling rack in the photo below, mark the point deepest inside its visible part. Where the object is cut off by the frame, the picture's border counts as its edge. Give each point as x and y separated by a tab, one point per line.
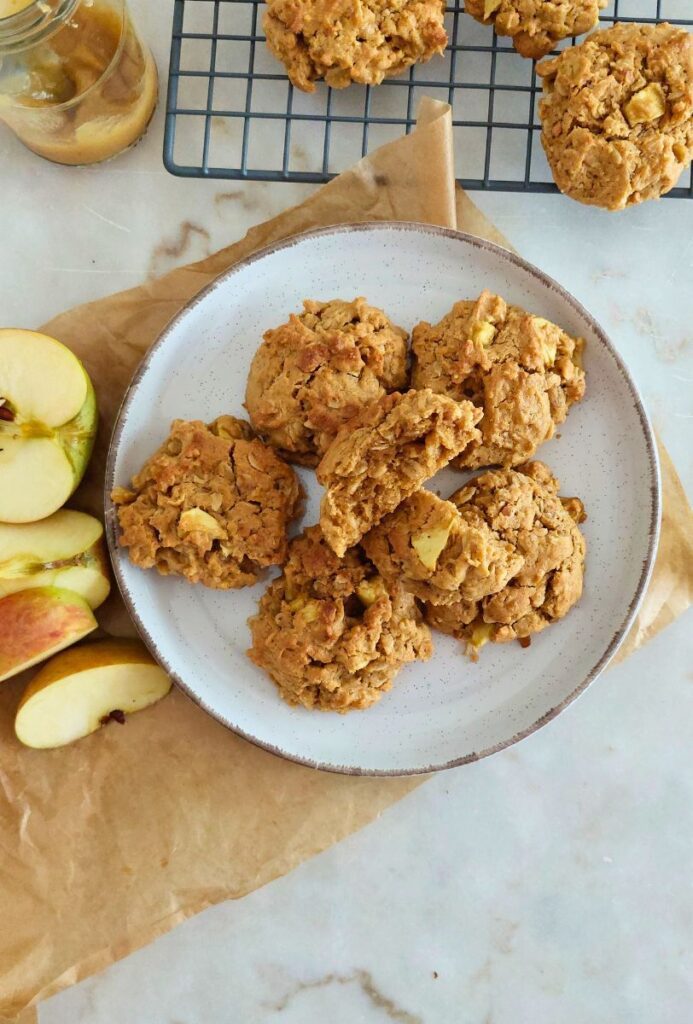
345	42
535	26
617	114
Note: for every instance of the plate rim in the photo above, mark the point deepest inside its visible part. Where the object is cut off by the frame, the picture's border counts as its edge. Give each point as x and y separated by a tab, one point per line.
515	260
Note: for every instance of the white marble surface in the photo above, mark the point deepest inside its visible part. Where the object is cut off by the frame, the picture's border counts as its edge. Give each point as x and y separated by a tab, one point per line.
550	883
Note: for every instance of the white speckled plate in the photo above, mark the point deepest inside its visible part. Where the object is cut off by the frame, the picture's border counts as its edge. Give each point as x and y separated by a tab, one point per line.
448	711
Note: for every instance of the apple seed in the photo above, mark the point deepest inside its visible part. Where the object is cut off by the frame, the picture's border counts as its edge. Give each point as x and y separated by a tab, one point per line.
113	716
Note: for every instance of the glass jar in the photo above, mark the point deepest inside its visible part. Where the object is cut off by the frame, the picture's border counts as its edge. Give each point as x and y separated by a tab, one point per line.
77	85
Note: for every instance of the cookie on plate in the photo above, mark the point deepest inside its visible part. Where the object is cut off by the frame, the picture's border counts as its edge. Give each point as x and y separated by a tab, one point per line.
437	555
213	505
344	41
617	114
315	372
385	454
535	26
331	632
522	370
522	508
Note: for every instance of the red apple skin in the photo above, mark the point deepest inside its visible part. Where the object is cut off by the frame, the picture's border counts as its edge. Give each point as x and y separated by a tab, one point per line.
38	622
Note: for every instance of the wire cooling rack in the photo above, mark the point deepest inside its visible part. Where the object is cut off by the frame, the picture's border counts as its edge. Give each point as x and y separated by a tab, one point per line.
232	113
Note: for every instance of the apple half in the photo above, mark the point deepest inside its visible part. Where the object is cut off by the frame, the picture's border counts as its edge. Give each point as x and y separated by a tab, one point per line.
65	550
34	624
81	690
48	422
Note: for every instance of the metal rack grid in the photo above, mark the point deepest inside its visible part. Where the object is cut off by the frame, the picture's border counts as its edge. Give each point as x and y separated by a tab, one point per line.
232	113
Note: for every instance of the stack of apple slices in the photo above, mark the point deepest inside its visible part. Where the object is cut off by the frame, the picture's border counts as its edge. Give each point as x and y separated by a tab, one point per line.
53	564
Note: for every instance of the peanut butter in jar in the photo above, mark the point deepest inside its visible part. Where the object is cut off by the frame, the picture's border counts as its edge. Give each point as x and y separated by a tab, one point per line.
77	85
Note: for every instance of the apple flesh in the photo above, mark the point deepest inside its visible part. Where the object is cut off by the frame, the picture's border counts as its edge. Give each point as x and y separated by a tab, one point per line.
65	550
48	419
80	690
37	623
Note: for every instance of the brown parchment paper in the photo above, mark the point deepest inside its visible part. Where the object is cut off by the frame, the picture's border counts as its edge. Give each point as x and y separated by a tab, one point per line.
111	842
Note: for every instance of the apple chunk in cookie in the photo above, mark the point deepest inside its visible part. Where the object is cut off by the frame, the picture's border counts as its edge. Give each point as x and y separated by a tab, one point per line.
332	632
64	550
48	421
523	371
385	454
213	504
438	556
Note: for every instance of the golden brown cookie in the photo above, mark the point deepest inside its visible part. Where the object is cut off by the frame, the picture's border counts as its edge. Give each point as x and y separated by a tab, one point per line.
617	114
345	41
315	372
331	632
535	26
385	454
212	504
522	370
428	545
522	508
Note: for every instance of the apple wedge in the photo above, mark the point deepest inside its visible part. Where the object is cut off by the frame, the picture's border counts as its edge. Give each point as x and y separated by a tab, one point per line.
80	690
37	623
48	421
65	550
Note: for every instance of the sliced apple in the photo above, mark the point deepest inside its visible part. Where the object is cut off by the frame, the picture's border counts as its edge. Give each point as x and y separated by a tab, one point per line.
37	623
48	421
80	690
65	550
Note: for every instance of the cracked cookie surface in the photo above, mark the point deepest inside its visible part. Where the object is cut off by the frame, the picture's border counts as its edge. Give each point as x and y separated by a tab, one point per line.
345	41
331	632
523	371
439	557
535	26
523	509
385	454
315	372
213	505
617	114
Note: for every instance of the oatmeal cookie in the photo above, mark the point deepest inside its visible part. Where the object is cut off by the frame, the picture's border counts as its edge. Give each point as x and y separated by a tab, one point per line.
522	370
535	26
345	41
385	454
437	555
212	504
523	509
617	114
331	632
315	372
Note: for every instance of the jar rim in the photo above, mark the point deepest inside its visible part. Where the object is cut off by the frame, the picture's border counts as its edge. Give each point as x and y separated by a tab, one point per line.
107	71
30	25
